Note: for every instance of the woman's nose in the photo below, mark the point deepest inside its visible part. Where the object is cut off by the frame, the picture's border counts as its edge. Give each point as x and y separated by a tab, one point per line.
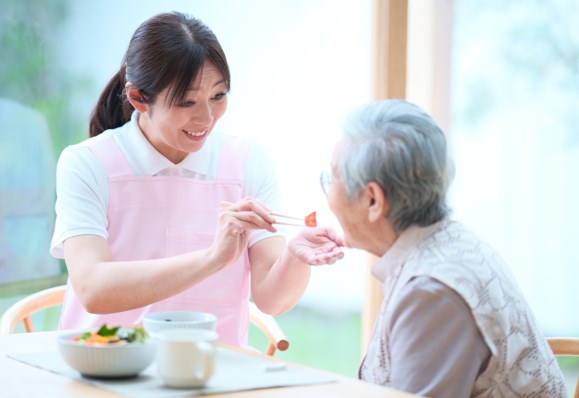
204	113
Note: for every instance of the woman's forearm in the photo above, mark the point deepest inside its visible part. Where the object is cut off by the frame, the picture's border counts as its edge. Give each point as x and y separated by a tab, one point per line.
105	286
277	288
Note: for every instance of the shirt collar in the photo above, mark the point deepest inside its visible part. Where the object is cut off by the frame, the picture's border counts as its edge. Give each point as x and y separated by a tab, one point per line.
146	160
394	257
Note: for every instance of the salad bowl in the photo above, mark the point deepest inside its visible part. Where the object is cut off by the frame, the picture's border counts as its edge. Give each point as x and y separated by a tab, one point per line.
118	356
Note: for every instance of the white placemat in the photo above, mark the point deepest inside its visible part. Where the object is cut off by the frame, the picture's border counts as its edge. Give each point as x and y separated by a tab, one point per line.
233	372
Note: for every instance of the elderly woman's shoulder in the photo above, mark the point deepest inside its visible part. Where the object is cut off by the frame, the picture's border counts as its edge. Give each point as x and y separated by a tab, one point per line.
454	240
450	239
455	230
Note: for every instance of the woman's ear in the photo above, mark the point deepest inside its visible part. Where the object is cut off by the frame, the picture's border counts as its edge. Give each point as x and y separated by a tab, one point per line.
378	206
135	97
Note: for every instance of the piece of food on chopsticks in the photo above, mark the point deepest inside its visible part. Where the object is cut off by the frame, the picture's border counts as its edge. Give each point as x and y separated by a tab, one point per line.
307	221
311	220
113	335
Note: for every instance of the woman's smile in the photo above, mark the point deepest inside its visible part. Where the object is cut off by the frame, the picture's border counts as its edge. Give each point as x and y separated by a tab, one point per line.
196	135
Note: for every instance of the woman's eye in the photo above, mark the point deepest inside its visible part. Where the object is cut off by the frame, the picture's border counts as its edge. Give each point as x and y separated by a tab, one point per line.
186	104
219	96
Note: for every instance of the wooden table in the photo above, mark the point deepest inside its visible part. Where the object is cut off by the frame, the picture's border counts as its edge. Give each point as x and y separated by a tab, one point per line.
21	380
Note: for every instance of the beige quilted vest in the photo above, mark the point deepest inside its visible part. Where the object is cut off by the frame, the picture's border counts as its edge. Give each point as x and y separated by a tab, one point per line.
521	363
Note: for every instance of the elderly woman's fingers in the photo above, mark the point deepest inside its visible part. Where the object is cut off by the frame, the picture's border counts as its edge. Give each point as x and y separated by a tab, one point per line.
325	258
316	246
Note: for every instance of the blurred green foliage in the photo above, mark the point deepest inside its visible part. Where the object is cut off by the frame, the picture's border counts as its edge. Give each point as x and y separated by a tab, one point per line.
29	70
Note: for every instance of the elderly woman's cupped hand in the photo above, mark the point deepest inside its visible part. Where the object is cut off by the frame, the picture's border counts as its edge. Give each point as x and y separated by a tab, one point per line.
317	246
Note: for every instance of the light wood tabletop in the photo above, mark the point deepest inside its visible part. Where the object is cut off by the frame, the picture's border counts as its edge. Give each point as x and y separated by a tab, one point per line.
18	379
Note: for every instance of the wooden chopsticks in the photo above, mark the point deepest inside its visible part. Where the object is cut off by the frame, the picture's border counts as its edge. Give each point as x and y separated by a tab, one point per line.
302	222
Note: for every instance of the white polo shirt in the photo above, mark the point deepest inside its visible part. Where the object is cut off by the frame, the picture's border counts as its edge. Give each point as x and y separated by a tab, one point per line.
82	188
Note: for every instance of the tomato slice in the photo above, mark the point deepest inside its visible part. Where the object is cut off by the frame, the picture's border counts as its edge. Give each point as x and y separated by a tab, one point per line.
311	220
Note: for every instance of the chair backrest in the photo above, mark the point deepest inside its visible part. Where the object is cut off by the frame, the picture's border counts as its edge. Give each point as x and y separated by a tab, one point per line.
22	310
565	346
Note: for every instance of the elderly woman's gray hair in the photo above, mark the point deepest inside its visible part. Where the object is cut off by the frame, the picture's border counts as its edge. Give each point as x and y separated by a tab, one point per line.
397	145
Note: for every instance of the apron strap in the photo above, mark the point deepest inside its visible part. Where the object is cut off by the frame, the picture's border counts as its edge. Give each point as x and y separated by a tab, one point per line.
112	158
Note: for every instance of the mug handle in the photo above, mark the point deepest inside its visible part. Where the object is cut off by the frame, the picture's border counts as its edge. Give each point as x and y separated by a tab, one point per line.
208	351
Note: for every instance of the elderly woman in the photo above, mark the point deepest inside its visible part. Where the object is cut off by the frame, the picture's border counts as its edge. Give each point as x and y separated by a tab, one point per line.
453	322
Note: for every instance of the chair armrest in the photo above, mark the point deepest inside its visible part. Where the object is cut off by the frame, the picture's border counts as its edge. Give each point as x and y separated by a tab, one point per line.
270	327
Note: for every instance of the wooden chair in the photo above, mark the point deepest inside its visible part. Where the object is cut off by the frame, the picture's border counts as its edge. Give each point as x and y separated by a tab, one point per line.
22	310
565	346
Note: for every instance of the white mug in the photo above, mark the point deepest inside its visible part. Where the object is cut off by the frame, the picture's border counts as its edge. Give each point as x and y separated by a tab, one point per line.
186	358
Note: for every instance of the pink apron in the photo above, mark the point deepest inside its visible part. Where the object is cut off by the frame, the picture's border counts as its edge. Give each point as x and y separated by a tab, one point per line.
159	216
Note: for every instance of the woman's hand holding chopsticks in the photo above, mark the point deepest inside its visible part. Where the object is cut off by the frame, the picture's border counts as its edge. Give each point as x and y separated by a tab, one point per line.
234	220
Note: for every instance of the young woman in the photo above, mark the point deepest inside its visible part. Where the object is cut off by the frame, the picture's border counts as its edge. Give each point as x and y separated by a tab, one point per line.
139	217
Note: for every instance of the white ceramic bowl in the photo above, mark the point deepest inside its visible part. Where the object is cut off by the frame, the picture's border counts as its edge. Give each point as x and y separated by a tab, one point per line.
156	322
114	360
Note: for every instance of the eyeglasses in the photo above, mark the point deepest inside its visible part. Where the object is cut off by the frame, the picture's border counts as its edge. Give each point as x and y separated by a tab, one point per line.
325	182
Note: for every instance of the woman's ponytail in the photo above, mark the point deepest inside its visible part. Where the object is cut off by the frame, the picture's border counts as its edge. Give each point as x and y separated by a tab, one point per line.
112	109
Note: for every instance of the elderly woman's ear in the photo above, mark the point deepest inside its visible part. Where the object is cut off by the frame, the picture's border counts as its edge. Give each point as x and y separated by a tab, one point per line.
378	206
